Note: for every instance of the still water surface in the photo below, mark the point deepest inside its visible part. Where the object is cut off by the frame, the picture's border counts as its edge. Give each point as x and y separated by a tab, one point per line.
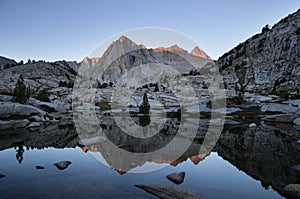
244	164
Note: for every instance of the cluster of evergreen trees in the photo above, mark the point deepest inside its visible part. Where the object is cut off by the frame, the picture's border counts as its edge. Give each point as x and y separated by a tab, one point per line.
21	93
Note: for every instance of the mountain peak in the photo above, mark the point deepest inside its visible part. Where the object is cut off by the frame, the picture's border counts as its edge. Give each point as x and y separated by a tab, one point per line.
174	47
200	53
92	60
124	39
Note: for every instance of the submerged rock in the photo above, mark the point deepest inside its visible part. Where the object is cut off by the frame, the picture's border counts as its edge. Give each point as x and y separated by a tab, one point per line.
169	192
62	165
2	176
177	178
293	190
39	167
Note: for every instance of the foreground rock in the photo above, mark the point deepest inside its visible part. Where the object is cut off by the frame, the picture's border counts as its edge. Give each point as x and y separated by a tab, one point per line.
62	165
177	178
169	192
293	190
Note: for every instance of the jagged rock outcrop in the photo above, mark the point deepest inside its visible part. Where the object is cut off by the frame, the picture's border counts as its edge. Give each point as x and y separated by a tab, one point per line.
200	53
270	59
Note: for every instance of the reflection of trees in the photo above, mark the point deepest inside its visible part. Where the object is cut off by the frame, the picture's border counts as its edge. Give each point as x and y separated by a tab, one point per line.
19	152
144	120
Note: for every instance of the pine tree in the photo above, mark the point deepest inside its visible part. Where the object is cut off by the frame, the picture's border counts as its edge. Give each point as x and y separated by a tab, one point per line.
20	92
145	106
156	89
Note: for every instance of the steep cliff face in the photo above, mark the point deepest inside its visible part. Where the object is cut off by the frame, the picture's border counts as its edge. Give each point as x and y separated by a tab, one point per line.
269	60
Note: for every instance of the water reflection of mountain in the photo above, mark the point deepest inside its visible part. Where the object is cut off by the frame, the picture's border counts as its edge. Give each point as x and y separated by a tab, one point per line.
266	153
124	152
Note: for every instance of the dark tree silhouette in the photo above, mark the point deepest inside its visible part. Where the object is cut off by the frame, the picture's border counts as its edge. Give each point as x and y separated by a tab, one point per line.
19	153
145	106
20	92
156	88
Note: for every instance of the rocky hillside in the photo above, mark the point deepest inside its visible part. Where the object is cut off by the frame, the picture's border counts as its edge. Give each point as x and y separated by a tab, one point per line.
268	62
6	62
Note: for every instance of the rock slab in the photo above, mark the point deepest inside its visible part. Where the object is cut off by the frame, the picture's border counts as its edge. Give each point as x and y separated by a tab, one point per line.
169	192
62	165
177	178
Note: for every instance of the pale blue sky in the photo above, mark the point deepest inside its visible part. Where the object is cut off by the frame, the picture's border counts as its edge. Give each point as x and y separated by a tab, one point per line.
71	29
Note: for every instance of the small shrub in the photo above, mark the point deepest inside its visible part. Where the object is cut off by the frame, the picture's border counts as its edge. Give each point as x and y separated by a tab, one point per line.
43	95
103	105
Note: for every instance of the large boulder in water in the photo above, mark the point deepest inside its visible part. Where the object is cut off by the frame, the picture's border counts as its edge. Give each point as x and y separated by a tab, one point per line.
62	165
177	178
